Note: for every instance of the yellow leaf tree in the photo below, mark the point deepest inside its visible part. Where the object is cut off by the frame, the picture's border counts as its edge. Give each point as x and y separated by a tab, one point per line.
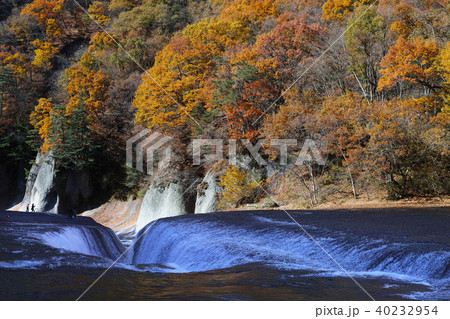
41	119
88	86
443	66
238	187
43	53
98	11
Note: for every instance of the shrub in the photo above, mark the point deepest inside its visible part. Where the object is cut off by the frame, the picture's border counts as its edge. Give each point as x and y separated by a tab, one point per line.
238	187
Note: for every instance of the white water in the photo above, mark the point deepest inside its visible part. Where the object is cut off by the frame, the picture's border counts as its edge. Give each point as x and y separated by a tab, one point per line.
85	240
199	245
21	264
217	241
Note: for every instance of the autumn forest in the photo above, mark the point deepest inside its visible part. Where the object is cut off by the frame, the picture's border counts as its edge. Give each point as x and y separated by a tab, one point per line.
368	80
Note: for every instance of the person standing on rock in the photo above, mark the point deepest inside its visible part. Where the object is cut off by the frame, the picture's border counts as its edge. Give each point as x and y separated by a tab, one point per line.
32	208
28	206
72	213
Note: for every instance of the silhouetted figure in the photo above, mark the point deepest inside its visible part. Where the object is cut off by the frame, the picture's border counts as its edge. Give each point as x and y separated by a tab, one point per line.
32	208
72	213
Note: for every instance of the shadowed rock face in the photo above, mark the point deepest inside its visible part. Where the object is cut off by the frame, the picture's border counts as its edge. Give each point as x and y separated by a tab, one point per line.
12	186
75	190
56	192
8	5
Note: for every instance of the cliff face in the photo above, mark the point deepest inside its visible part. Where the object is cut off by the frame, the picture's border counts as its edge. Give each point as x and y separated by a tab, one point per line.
120	216
41	186
207	191
56	192
170	200
158	202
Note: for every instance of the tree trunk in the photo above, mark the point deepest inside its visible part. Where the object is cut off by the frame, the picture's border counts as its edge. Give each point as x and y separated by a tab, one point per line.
351	177
313	183
311	199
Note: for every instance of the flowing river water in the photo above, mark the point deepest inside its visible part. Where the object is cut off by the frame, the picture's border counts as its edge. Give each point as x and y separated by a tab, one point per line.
393	254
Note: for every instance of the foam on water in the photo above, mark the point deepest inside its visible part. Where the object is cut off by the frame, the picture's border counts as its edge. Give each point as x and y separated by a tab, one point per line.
207	244
85	240
21	264
217	241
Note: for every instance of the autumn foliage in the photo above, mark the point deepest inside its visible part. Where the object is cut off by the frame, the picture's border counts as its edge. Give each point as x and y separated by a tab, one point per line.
339	9
367	80
238	186
412	61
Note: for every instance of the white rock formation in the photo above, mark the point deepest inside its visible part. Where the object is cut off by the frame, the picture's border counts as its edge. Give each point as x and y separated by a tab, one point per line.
161	202
206	201
40	189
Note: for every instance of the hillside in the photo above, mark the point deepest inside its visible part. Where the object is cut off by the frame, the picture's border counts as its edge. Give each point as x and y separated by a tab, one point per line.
364	83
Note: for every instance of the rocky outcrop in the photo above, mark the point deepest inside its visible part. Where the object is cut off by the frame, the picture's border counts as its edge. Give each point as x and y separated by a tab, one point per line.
75	191
55	191
12	186
116	214
41	186
207	190
164	201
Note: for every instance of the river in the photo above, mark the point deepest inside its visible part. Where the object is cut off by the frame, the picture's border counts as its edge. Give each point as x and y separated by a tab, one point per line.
384	254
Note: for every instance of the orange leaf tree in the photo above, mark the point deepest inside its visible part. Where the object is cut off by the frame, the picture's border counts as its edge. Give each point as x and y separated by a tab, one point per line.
338	9
174	90
288	48
410	61
400	150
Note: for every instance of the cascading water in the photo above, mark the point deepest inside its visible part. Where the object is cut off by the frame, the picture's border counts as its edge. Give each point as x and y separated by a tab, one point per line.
217	241
407	254
221	241
94	241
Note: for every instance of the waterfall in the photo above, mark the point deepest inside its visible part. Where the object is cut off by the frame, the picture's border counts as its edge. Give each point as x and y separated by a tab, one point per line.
411	249
88	240
216	241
